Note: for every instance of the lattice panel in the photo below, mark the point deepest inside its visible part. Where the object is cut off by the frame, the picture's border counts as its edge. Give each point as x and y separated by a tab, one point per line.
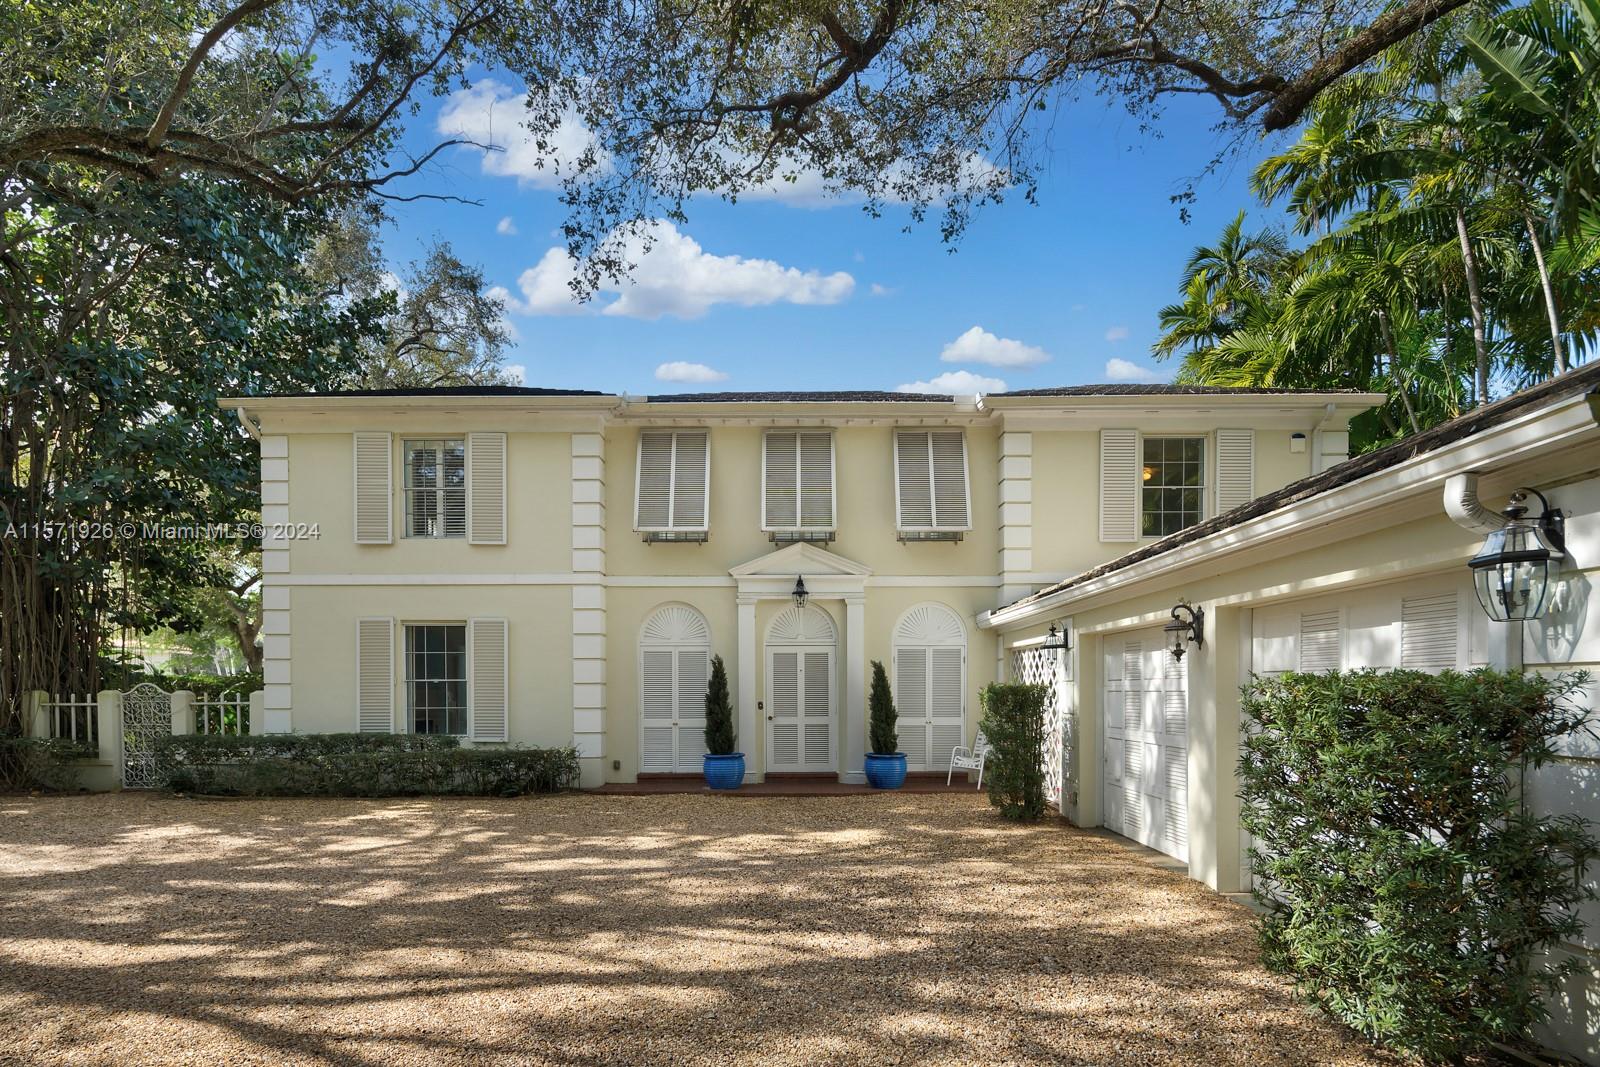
1037	667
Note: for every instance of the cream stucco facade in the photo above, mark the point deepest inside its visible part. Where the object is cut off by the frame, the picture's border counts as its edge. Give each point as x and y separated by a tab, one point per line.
602	624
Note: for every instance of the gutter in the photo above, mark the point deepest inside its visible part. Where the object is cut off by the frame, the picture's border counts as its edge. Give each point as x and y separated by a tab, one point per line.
249	424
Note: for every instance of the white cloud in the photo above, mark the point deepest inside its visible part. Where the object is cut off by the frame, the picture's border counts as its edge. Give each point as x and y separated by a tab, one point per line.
955	381
680	371
880	290
978	345
1121	370
517	373
489	113
673	275
796	184
506	227
1117	333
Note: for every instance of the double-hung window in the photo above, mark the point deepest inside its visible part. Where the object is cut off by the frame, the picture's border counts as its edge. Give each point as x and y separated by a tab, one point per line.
435	488
797	471
931	486
1173	484
673	491
436	678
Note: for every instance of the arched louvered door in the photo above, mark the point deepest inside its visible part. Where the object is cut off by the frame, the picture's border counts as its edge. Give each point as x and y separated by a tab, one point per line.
674	669
930	685
800	689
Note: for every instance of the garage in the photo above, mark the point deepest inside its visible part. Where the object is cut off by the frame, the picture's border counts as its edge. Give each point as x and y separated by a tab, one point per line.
1146	753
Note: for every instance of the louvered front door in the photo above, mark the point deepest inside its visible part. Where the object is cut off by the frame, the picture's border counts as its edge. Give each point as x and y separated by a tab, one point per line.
800	709
929	684
1146	755
673	710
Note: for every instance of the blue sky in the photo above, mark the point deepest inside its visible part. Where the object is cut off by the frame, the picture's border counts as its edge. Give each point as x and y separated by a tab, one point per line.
844	301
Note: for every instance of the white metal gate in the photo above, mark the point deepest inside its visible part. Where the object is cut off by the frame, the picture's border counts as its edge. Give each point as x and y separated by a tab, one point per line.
1146	754
146	716
1036	666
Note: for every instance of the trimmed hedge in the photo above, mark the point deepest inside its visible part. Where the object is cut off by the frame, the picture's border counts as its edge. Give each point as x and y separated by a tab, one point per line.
1013	721
28	763
360	765
1409	891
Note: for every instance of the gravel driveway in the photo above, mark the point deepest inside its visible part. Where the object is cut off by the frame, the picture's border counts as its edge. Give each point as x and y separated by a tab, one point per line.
141	929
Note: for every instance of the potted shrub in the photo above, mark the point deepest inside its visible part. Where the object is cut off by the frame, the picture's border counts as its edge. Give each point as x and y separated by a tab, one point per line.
724	768
886	765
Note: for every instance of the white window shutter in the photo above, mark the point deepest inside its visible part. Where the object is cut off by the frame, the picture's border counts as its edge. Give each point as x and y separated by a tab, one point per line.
1428	632
488	694
816	481
653	504
374	488
949	452
375	676
690	480
913	483
1236	468
1320	641
1119	485
780	494
486	488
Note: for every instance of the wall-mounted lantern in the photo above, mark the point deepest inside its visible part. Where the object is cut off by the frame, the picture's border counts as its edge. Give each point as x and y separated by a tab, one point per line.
800	595
1188	624
1055	641
1519	562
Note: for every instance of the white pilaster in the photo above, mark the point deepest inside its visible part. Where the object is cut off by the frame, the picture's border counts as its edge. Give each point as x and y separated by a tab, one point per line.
747	688
1016	514
855	685
589	605
277	715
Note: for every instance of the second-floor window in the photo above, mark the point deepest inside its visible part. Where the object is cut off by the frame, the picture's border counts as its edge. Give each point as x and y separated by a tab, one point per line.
1172	489
435	488
674	484
797	480
931	492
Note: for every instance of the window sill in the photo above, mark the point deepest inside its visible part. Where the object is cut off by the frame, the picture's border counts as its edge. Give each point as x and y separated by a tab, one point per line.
670	537
912	536
791	537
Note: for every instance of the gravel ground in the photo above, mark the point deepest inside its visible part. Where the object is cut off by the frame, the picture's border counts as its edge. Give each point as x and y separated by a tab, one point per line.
143	929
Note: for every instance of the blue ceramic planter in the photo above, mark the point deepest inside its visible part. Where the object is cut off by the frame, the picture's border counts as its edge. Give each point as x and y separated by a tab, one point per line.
886	772
725	772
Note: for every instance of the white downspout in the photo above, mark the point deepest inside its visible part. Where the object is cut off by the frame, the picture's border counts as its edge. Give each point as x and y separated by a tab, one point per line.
1461	503
249	425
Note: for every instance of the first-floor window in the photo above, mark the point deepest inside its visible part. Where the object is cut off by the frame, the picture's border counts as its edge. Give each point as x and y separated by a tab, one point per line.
1173	494
436	678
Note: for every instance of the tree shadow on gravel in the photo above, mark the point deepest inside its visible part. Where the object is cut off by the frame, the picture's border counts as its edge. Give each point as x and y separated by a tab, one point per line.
607	930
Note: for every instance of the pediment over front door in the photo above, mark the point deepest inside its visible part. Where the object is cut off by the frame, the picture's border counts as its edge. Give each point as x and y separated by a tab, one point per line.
773	573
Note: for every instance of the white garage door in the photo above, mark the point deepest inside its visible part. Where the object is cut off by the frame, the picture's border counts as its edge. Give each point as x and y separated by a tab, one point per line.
1146	769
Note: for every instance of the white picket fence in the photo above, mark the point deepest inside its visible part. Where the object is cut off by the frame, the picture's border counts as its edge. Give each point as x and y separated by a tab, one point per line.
74	717
122	729
226	714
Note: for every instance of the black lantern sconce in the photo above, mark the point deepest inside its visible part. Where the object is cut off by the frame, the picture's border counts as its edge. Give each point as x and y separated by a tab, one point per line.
800	595
1519	562
1055	641
1188	624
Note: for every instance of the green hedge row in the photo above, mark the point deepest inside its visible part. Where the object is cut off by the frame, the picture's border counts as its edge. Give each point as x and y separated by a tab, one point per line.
1411	892
360	765
41	762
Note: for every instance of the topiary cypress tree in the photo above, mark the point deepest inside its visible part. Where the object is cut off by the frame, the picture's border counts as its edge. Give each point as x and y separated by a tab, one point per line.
880	702
719	711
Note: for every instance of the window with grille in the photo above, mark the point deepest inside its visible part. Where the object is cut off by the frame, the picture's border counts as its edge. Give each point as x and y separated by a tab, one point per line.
435	486
436	678
1172	496
797	481
931	490
673	492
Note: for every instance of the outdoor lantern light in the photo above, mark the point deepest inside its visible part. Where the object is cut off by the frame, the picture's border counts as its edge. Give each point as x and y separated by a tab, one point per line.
1519	562
1055	641
800	595
1188	624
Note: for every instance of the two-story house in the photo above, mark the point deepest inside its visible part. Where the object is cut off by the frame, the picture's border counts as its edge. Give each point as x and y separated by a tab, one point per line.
554	567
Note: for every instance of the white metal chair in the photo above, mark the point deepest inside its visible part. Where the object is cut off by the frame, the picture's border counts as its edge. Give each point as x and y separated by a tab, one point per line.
969	759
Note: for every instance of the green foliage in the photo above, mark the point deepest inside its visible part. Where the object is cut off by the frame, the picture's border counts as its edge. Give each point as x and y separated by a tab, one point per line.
719	711
40	763
1410	891
360	765
1013	721
881	714
122	676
